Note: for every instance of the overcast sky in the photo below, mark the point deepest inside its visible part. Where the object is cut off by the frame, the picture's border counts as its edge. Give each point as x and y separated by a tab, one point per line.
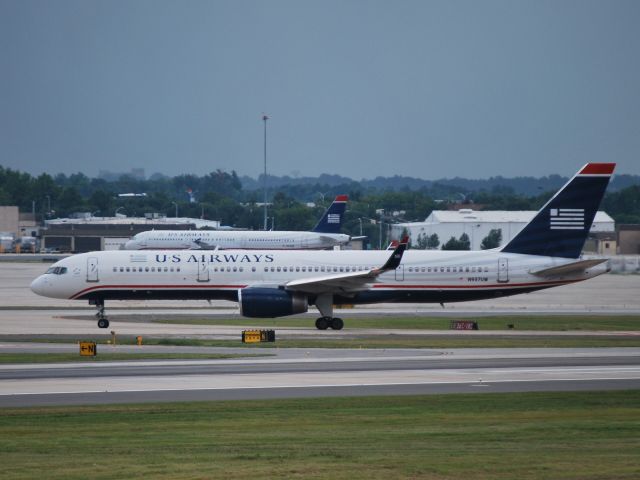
424	88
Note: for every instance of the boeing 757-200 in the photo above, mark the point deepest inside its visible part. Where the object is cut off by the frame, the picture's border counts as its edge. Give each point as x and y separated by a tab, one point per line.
274	283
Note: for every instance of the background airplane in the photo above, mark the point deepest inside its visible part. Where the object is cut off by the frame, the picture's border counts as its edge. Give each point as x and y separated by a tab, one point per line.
267	283
326	234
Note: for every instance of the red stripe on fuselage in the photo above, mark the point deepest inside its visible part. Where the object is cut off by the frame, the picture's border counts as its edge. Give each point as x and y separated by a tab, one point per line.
155	287
204	286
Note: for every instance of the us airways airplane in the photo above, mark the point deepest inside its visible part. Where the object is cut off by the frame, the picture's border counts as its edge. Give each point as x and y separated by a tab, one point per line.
274	283
326	234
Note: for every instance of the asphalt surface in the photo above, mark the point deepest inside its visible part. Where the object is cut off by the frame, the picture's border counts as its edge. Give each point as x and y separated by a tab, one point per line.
321	372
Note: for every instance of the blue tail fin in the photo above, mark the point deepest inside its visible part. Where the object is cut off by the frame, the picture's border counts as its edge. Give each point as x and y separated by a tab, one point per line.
561	227
331	221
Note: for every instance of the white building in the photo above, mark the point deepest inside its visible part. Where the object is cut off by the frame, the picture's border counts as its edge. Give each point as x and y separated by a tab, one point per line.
478	224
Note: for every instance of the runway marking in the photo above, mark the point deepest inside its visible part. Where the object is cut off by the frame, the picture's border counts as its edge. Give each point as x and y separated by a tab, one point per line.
624	375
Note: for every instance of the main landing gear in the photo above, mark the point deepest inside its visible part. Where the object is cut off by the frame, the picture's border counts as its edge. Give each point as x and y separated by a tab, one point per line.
325	322
324	303
103	322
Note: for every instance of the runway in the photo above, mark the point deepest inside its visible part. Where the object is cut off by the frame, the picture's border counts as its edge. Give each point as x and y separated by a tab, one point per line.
322	372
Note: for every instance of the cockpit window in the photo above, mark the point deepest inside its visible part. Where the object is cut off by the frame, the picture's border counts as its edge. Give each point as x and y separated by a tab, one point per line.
57	270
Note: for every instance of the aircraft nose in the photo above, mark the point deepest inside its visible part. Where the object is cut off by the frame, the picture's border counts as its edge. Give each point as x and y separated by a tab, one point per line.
131	245
38	285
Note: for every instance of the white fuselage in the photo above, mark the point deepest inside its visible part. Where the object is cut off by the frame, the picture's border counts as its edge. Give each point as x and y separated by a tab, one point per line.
234	239
423	276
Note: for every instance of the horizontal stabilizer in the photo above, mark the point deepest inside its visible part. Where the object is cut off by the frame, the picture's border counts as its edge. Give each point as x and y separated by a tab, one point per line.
574	267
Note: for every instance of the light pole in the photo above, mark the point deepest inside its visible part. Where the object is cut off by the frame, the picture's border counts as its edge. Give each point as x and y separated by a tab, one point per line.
264	179
176	208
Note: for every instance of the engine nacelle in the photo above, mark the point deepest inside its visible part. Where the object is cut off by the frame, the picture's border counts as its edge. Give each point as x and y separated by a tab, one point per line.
271	302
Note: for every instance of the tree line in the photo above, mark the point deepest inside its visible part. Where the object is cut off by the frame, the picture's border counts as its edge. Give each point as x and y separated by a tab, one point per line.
220	195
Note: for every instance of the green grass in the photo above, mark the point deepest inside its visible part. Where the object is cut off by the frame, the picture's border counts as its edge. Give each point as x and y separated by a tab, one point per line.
587	435
109	357
502	322
326	341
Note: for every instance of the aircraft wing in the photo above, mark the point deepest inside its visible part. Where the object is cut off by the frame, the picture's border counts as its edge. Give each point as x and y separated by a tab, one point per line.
574	267
350	281
202	245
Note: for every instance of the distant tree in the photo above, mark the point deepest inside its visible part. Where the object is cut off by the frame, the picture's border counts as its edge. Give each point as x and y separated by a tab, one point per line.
421	242
405	233
465	243
461	243
433	241
492	240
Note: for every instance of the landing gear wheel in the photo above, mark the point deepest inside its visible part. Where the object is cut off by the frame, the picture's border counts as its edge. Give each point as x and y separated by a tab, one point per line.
337	323
100	315
323	323
103	323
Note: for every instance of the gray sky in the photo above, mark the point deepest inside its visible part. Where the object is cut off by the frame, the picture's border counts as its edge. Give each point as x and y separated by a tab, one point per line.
359	88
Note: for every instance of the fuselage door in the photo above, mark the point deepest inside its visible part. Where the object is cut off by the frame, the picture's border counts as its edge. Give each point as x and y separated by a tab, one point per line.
503	270
400	273
203	270
92	269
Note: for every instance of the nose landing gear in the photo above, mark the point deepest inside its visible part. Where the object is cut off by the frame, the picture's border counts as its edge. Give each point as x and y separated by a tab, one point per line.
103	322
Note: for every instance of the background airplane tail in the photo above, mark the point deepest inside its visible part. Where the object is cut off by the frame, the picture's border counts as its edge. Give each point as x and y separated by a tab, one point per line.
331	221
561	227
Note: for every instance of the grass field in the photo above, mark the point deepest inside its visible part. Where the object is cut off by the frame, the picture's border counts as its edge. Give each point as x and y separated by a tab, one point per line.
592	435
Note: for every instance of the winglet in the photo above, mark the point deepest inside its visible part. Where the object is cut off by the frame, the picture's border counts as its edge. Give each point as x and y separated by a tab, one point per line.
396	257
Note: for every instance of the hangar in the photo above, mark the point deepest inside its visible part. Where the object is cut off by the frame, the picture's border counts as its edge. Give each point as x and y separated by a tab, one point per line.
477	224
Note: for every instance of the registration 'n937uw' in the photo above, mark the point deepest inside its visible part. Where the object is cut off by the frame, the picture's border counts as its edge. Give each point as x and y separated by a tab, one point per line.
275	283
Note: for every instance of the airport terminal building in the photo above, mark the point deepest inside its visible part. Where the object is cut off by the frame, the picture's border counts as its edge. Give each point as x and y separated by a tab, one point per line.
90	233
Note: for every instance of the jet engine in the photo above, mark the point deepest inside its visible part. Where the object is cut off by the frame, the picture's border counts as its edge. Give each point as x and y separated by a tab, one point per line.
271	302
